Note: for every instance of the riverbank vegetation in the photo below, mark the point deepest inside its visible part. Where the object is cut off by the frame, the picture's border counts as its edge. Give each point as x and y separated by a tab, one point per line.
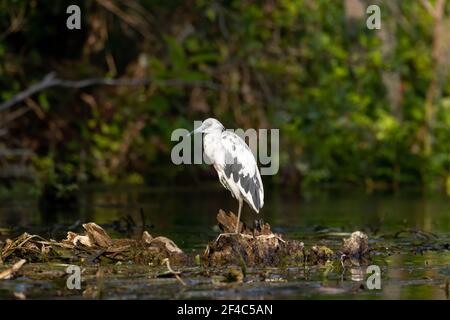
366	108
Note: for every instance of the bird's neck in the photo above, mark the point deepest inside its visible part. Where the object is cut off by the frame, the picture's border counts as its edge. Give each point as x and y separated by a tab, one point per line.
217	132
211	139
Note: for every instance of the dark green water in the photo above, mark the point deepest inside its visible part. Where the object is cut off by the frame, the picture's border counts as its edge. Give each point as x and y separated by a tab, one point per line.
413	266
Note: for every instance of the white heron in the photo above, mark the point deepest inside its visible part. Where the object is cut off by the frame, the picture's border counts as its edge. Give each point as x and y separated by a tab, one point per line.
235	164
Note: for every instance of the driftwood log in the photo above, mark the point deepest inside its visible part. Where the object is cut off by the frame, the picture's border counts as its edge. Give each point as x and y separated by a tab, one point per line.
260	246
94	245
257	246
253	246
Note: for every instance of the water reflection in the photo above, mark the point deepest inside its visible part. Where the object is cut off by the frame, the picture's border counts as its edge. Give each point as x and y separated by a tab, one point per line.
195	210
188	217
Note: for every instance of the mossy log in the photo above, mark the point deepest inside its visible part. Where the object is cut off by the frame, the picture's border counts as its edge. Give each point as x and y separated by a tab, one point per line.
252	246
357	245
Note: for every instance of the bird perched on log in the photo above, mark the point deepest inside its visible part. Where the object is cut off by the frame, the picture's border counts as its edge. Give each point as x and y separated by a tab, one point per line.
235	164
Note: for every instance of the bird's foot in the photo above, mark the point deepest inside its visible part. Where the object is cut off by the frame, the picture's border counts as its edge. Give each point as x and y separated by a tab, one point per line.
227	234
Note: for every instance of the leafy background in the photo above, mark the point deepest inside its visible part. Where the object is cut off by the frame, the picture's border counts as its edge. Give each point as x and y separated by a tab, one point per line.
359	107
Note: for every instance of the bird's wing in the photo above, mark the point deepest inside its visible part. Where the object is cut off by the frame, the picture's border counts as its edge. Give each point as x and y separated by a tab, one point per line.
240	165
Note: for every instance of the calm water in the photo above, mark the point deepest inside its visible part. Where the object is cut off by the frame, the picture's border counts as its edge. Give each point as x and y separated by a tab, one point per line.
188	217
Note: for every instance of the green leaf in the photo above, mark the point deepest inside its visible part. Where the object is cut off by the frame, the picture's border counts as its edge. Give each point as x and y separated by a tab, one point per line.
176	54
43	102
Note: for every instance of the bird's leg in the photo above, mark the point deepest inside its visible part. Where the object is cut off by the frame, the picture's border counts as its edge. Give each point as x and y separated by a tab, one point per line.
237	224
223	235
239	216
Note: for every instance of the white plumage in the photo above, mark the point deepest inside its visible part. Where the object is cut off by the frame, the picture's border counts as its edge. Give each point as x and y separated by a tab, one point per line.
235	164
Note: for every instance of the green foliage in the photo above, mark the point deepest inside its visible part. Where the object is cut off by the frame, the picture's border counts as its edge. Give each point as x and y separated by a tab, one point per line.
55	182
300	66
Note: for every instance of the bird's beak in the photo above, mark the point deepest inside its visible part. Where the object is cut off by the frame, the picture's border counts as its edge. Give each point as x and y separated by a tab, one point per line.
199	129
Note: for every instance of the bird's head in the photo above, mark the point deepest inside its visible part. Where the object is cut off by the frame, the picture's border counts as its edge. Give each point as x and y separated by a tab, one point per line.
208	126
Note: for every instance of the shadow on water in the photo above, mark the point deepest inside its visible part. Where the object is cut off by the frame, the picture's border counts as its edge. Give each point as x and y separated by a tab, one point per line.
189	218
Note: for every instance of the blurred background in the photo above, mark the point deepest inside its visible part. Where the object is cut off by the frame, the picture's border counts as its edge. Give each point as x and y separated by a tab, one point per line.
86	118
360	108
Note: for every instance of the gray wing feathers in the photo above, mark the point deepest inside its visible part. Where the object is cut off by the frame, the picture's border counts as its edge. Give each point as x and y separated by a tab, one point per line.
240	166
